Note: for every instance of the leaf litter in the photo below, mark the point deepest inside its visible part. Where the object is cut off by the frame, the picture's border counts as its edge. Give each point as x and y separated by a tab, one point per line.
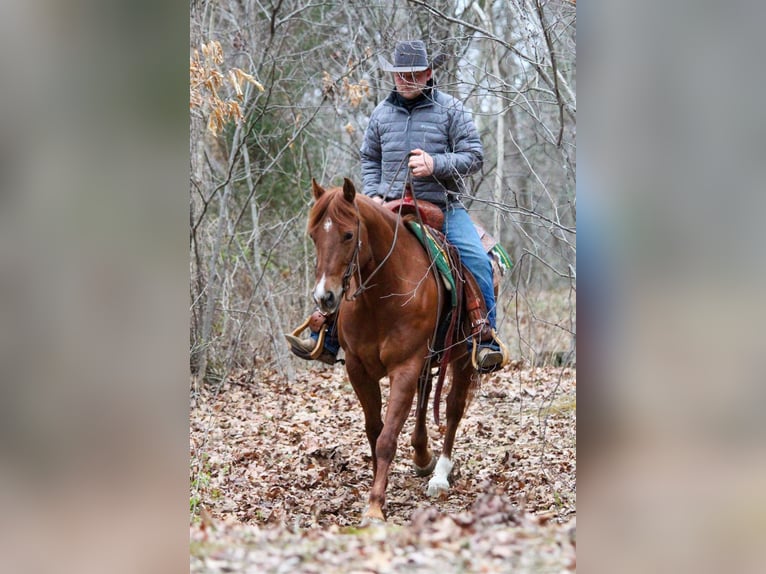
280	472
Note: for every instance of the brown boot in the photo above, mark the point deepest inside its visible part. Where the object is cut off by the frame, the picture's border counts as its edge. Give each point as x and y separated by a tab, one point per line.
489	360
489	355
305	348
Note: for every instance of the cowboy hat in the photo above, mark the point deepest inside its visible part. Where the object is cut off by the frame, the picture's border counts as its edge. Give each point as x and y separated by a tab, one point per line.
410	56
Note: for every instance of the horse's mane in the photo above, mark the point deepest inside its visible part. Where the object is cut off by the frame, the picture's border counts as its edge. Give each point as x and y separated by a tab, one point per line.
332	204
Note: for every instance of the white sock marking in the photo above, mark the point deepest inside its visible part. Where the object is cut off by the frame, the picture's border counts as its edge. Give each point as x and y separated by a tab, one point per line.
439	482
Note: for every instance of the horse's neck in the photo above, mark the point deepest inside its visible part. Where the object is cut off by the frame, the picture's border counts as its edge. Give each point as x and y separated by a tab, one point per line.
383	254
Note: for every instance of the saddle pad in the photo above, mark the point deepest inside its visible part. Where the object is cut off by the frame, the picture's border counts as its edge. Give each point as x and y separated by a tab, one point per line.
437	255
502	258
494	248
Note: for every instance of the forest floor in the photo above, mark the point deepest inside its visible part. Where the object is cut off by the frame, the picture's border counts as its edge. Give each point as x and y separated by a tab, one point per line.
280	474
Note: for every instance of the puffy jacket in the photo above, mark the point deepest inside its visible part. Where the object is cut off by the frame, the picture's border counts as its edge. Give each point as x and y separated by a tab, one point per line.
439	125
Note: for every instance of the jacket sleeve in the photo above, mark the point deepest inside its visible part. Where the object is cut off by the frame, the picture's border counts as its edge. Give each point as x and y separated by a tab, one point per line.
371	157
467	155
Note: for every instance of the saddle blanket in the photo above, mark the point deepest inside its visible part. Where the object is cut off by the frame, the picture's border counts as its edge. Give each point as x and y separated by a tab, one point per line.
440	258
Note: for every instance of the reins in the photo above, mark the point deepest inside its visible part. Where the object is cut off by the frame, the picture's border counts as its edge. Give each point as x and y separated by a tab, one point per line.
354	263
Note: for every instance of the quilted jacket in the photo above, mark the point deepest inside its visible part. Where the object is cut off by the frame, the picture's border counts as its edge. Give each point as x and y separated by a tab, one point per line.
439	125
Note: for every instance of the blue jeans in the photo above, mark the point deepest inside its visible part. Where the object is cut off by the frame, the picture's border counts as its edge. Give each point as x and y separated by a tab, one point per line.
461	233
331	341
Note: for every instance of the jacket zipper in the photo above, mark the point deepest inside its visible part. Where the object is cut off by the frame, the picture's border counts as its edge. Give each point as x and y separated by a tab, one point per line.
407	138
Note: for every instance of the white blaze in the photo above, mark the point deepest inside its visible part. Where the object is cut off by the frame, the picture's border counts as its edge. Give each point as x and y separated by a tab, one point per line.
319	291
327	225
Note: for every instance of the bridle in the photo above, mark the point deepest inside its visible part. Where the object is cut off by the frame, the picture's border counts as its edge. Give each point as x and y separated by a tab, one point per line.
353	264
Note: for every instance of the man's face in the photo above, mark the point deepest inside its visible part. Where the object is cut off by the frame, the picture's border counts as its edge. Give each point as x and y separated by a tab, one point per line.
411	84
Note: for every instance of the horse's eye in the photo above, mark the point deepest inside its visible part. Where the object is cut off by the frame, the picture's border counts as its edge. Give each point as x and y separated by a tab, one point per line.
348	236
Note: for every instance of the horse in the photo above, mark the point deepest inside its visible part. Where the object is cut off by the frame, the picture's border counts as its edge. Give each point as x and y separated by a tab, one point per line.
378	278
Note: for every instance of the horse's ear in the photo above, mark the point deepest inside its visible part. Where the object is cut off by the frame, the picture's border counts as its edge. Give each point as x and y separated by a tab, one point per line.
349	191
317	189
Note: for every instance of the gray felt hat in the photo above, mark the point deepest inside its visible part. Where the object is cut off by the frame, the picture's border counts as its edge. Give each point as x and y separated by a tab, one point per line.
409	56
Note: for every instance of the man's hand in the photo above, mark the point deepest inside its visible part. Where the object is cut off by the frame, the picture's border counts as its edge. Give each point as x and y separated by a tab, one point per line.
421	163
377	199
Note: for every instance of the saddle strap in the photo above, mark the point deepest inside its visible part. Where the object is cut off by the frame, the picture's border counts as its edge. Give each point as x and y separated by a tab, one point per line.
451	334
476	308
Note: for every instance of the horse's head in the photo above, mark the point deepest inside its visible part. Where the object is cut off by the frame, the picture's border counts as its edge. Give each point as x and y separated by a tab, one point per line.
335	229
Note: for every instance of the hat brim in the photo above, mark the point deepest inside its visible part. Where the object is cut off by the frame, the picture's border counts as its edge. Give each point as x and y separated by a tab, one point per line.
387	66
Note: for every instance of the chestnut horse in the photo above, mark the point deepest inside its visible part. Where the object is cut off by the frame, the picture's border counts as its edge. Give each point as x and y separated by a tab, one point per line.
377	276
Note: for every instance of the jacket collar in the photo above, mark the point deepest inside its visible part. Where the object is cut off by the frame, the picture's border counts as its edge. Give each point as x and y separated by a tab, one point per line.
426	98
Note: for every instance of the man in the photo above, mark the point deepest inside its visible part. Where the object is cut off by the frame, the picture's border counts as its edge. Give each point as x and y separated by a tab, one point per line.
419	128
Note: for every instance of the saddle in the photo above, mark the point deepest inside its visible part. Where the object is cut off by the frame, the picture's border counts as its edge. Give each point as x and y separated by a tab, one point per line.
458	280
432	216
424	220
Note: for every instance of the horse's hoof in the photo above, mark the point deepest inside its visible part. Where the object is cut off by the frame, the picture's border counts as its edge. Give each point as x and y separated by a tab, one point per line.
436	486
372	516
425	470
368	521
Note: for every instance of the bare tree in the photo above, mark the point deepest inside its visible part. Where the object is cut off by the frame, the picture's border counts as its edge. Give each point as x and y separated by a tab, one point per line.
512	62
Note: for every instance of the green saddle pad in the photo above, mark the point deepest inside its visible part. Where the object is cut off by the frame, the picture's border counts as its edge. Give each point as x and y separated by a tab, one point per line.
502	258
437	255
494	249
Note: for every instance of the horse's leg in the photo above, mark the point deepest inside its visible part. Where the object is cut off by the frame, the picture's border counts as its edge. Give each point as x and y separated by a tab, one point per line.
403	382
367	390
462	371
422	458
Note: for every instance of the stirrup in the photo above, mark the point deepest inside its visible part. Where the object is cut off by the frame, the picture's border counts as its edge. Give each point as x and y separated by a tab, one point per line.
475	352
314	355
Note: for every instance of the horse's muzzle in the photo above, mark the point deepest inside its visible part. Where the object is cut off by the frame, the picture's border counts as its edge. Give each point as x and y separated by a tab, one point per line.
326	299
328	303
